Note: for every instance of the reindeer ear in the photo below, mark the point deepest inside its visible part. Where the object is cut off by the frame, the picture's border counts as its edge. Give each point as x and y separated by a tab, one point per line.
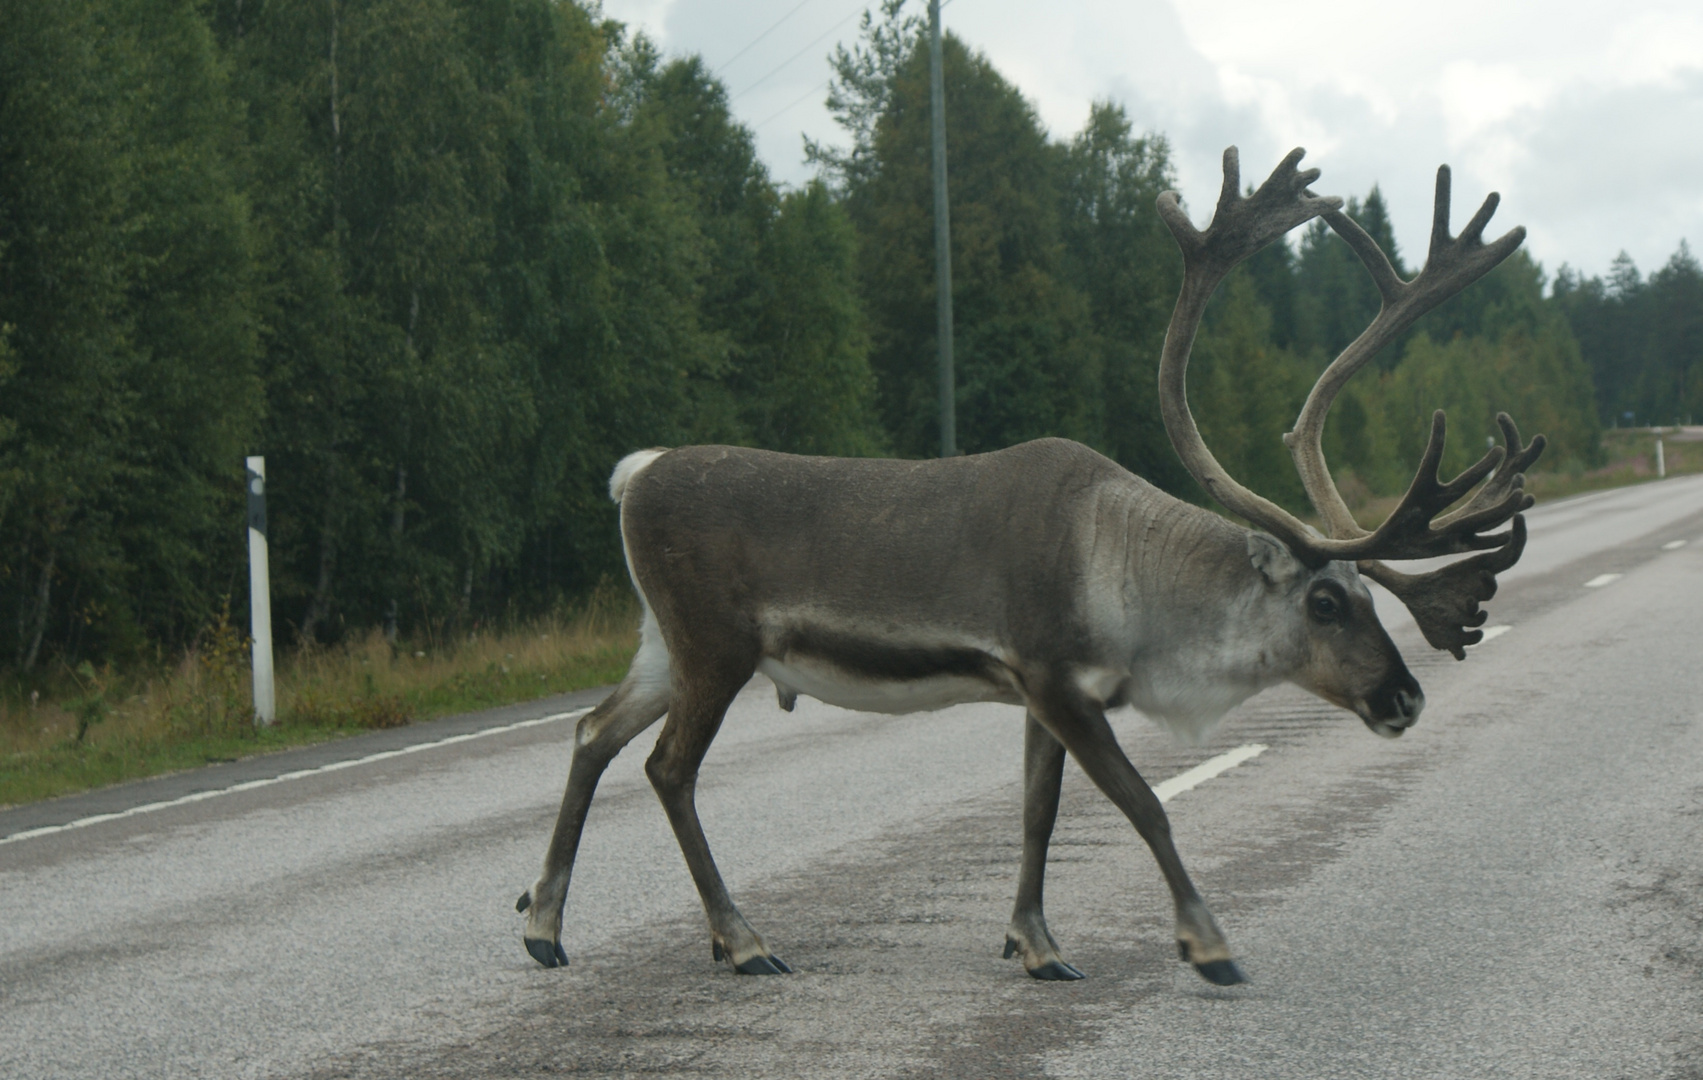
1276	563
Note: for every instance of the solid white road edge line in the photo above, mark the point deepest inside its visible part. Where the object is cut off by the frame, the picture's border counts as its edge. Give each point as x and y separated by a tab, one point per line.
250	785
1600	580
1166	790
1206	770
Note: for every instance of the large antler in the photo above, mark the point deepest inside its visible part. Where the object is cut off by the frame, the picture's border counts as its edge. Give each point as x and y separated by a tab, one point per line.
1444	602
1452	265
1240	227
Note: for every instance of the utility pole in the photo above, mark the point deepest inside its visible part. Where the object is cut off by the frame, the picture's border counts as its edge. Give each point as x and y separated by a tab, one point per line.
942	237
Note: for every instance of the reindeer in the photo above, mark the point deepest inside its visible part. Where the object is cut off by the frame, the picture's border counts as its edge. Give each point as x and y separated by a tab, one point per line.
1045	576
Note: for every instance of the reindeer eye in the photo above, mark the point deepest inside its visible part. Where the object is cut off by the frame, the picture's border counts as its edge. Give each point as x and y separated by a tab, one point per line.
1324	607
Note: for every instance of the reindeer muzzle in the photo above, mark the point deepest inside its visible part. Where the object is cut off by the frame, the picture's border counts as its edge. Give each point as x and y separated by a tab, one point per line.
1395	706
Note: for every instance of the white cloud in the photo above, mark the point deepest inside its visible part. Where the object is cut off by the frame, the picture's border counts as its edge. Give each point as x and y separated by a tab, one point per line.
1586	118
1655	45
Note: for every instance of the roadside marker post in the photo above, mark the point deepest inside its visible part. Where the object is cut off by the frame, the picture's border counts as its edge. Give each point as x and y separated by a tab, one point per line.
260	595
1661	462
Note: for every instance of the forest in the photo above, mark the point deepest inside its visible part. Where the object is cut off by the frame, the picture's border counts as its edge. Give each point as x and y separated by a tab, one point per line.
443	262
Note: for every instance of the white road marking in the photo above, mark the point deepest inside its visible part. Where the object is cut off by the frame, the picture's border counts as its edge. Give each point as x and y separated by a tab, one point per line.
1600	580
1166	790
1673	545
250	785
1491	633
1206	770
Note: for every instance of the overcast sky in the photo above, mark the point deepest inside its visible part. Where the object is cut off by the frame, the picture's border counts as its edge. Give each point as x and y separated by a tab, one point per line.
1587	117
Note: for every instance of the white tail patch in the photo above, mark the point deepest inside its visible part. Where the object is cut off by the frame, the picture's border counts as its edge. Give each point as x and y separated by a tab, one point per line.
629	467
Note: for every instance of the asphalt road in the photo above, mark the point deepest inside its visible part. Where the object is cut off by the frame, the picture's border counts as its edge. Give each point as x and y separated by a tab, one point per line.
1513	889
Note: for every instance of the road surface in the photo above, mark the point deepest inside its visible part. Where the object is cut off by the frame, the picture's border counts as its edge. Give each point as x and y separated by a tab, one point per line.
1513	889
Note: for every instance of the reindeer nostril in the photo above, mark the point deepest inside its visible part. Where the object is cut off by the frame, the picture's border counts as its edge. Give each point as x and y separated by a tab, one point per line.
1409	705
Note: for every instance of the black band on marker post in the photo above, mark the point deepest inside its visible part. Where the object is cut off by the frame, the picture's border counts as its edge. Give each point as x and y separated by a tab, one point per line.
256	485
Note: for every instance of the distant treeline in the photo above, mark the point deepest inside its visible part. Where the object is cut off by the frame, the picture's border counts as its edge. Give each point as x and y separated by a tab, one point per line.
443	262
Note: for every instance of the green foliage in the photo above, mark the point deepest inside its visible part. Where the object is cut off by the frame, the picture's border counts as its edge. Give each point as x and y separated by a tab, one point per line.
1641	338
865	79
90	706
805	382
125	284
1246	392
1496	347
1333	298
1118	254
778	285
444	262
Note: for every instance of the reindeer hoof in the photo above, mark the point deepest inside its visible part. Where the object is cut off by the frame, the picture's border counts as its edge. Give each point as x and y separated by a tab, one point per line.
1051	971
1221	972
1056	971
764	965
524	902
548	953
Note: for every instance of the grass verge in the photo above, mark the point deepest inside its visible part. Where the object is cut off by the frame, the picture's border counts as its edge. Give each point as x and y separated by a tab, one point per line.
101	726
1630	459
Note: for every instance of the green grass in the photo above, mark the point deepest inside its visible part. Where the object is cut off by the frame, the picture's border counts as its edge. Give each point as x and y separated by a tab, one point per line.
1631	460
99	727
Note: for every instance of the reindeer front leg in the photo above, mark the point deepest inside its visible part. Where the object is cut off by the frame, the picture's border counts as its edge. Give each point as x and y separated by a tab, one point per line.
1081	726
1043	772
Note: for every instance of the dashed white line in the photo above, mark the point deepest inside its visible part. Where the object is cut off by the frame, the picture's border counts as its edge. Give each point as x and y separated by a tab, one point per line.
1673	545
250	785
1600	580
1206	770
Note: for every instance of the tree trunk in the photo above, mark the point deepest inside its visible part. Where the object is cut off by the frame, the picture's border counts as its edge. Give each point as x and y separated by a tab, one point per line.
336	121
400	508
397	512
43	594
465	607
320	608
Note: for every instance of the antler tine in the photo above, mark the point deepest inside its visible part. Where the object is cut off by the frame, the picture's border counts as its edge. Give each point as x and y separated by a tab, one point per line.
1231	189
1410	532
1510	474
1451	265
1445	601
1454	263
1241	226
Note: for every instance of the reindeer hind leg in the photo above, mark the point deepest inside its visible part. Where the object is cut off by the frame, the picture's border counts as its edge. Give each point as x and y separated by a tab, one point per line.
635	705
701	703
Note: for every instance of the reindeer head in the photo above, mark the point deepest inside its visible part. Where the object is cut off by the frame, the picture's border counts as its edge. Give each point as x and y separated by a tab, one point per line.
1360	669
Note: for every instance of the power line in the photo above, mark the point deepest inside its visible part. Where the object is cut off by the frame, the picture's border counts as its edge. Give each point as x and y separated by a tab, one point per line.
753	43
812	92
818	88
776	69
